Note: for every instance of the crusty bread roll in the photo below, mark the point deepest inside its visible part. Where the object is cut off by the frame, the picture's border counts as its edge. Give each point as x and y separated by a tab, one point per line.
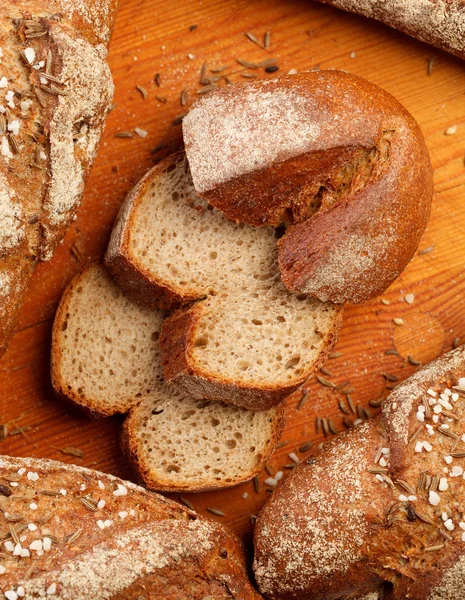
56	90
381	507
71	533
437	22
333	157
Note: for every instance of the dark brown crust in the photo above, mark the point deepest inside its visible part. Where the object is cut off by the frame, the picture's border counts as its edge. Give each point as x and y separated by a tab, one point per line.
177	338
392	538
142	286
380	216
441	24
197	555
152	482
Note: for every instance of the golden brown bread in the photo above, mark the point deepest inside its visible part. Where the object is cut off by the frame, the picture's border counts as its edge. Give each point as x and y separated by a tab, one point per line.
54	94
381	507
334	158
437	22
70	533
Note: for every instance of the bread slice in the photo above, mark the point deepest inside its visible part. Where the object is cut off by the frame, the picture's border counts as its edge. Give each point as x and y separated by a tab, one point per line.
180	444
105	355
106	358
74	534
246	340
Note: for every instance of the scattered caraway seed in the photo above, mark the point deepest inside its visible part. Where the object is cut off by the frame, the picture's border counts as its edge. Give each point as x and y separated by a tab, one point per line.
305	447
70	539
376	403
216	511
456	343
426	250
19	430
325	382
268	469
253	38
123	134
256	484
247	64
207	88
359	411
143	91
451	130
272	69
350	402
342	385
187	503
342	407
203	72
398	321
162	99
157	79
71	451
416	433
324	426
318	424
429	70
347	391
332	427
282	444
348	422
303	399
178	120
391	352
3	432
434	548
268	62
267	40
390	377
184	94
76	252
335	354
326	372
249	75
290	466
413	361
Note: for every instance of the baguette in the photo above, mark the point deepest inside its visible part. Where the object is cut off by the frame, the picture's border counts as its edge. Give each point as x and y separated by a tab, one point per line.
246	340
71	533
380	508
106	359
346	170
49	132
440	23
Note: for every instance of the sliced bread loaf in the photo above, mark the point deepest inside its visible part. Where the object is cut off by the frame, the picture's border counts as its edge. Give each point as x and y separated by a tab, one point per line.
248	340
106	358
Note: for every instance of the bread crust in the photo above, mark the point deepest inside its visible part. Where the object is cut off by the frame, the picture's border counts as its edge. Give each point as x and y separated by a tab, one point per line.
150	545
41	184
354	189
155	482
177	340
372	532
441	24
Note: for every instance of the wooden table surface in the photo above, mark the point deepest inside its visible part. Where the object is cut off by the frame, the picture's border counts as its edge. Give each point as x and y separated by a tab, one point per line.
156	37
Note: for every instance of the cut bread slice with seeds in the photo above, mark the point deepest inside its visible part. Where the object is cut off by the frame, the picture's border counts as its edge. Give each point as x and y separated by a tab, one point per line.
106	358
246	339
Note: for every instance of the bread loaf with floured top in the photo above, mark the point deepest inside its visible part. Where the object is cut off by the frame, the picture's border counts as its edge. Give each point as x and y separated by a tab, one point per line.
71	533
331	157
240	337
379	509
56	91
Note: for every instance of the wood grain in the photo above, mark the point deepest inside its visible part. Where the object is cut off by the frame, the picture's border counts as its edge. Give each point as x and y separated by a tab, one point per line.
151	39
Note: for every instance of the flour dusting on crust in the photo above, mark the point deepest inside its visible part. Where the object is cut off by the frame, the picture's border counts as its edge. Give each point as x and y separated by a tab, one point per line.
11	226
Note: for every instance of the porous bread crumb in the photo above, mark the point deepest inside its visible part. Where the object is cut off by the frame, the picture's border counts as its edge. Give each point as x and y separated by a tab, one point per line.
12	230
441	22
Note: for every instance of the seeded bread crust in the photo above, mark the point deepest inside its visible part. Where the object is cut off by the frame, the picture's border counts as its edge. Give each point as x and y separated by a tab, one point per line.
54	130
440	23
346	170
405	530
83	534
178	339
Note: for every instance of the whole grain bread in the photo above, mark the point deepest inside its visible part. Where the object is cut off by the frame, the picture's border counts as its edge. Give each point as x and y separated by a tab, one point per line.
106	359
246	339
49	132
70	533
380	508
440	23
335	159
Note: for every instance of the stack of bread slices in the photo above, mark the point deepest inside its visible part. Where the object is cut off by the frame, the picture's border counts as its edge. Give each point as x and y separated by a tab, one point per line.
189	327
